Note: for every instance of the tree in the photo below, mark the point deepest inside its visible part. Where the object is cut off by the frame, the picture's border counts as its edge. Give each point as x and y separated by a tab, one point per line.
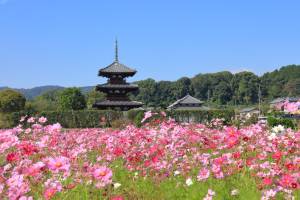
146	93
48	101
292	88
11	101
71	99
94	96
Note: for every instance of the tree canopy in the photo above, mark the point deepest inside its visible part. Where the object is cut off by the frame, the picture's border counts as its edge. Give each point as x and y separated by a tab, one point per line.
11	101
71	99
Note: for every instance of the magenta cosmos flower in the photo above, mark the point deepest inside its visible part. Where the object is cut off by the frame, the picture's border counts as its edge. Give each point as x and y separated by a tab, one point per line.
203	174
103	175
59	164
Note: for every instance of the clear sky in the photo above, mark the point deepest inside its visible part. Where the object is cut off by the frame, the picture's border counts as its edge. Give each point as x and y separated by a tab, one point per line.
65	42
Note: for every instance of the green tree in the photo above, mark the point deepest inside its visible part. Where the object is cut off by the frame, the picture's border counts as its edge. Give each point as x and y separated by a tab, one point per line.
94	96
71	99
292	88
11	101
48	101
147	91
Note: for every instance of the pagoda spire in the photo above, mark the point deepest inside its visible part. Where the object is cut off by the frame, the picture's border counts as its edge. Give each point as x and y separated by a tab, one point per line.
116	51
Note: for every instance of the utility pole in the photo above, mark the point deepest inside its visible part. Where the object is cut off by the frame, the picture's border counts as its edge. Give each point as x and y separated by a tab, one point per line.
259	99
208	96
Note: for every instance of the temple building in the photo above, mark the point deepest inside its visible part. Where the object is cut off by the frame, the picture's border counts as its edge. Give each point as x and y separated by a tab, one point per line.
116	88
188	103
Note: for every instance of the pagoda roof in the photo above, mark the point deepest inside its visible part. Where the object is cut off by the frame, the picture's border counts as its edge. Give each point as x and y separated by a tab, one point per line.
188	99
118	103
121	86
116	68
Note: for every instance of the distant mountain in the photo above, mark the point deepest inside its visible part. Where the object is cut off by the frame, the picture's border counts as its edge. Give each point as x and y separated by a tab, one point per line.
37	91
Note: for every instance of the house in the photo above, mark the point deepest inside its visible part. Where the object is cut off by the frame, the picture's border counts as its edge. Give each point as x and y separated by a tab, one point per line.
246	113
282	100
188	103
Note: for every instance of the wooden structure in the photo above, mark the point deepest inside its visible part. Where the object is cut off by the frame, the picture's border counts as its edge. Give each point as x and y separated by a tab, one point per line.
117	88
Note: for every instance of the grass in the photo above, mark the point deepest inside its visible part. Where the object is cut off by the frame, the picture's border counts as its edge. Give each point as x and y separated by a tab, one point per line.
145	188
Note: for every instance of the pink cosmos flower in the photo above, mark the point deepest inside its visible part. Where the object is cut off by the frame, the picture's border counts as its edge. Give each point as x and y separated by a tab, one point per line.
59	164
31	120
209	195
147	115
49	193
1	187
55	128
28	130
203	174
287	180
23	118
26	198
42	120
35	169
103	175
17	186
267	181
7	140
117	198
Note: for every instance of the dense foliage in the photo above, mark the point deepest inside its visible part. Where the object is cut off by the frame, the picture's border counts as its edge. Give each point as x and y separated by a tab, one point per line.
68	119
101	118
160	160
11	101
222	87
71	99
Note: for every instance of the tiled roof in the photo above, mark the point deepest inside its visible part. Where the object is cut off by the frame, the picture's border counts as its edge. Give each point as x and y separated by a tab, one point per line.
116	68
113	86
193	108
118	103
188	99
248	109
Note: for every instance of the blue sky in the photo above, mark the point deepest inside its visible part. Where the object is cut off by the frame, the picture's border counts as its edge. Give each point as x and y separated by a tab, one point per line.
65	42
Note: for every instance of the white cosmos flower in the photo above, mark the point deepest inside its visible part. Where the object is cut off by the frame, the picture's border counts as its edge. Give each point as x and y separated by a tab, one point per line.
189	182
117	185
176	173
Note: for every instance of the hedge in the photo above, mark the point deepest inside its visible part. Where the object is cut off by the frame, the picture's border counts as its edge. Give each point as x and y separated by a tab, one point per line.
202	115
70	119
92	118
287	123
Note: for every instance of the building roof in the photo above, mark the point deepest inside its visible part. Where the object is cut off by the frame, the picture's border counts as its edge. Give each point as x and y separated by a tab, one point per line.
192	108
248	109
117	86
116	67
188	99
118	103
281	99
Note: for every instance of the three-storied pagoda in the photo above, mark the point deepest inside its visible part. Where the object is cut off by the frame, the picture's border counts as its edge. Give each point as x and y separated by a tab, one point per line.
117	88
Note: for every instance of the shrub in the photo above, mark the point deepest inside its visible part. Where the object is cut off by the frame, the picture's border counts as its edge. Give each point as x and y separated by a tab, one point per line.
120	123
11	101
202	115
71	99
71	119
287	123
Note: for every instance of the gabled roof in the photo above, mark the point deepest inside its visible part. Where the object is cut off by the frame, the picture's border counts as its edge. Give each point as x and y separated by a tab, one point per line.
188	99
248	109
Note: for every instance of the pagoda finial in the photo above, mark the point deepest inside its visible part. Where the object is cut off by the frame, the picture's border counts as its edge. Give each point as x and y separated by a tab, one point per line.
116	51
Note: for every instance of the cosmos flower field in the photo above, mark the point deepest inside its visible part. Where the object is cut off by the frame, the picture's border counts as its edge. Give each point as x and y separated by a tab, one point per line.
160	160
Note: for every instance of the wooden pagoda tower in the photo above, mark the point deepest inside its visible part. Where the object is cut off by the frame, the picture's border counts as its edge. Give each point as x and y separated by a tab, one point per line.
116	88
